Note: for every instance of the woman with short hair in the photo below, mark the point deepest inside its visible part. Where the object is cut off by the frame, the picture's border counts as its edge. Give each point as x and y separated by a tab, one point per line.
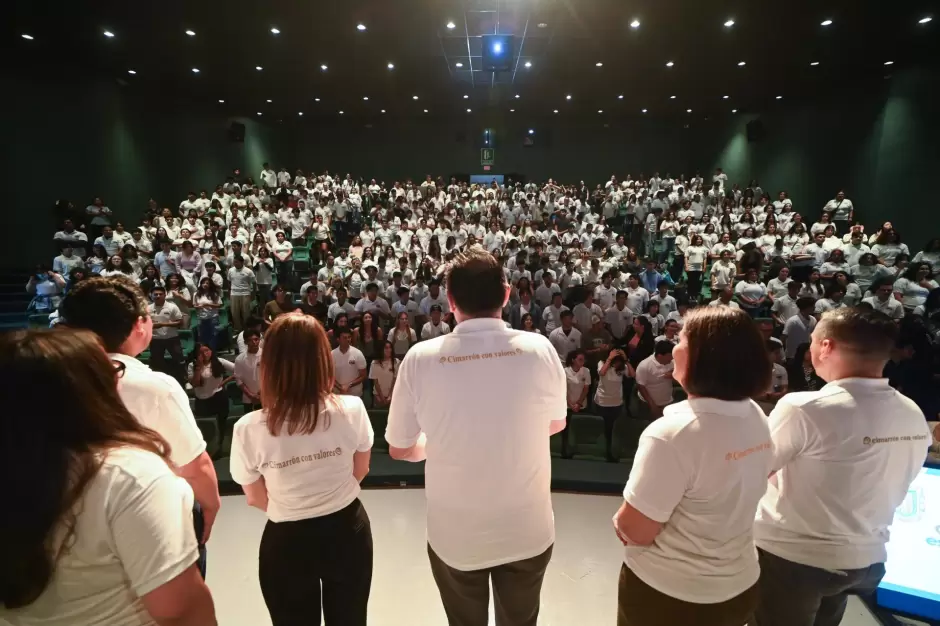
103	530
697	478
300	460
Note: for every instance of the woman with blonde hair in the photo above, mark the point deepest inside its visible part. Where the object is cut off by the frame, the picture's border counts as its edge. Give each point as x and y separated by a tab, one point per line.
103	529
300	460
699	473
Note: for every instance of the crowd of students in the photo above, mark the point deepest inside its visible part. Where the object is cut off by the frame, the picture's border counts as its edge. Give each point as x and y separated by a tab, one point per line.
616	267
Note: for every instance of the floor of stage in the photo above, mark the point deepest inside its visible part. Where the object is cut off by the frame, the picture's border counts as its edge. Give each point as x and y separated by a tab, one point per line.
580	585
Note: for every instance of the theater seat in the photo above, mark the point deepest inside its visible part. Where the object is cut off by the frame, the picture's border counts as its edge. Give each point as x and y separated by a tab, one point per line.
210	432
379	420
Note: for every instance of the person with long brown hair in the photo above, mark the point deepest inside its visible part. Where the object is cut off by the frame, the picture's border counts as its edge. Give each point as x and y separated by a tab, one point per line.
300	460
102	531
699	473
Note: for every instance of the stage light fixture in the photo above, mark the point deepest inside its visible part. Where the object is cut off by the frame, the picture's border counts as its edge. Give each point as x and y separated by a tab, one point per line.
635	24
360	27
108	34
451	26
275	30
729	23
27	37
669	63
195	70
528	63
391	66
826	23
458	64
132	72
323	67
531	131
191	33
925	20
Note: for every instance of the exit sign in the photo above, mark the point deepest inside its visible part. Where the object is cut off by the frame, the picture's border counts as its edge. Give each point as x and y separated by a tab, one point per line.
487	156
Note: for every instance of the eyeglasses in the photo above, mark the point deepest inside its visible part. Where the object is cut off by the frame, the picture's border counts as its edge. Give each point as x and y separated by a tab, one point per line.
119	368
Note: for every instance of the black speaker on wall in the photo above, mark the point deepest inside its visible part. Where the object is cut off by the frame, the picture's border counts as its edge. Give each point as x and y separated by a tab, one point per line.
756	131
236	132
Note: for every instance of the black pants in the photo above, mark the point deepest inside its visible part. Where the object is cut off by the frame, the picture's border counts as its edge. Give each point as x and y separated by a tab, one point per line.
677	267
695	283
610	415
517	588
174	365
322	561
792	594
564	435
216	406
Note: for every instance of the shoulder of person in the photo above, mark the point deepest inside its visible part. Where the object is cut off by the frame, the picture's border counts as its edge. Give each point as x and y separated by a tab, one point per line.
131	468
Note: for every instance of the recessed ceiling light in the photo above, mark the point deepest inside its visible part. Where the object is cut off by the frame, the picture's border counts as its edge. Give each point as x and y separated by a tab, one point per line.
512	110
517	96
191	33
555	111
108	34
814	63
742	63
669	63
779	97
734	110
316	99
340	112
451	25
543	25
925	20
465	96
382	111
365	97
360	27
270	100
221	101
391	66
568	97
528	63
620	97
729	23
889	62
599	64
725	97
27	37
300	113
635	24
275	30
195	70
323	67
825	23
425	110
259	68
259	113
414	97
688	110
531	131
468	110
672	97
600	110
131	72
643	111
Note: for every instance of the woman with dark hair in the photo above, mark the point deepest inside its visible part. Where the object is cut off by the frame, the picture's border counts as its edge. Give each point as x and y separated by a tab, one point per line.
97	260
751	293
368	337
178	293
279	305
119	266
402	336
914	285
103	531
608	398
528	324
800	372
639	342
208	374
340	321
867	270
130	254
316	549
930	254
150	278
813	287
382	373
207	303
853	293
687	518
579	382
888	246
696	255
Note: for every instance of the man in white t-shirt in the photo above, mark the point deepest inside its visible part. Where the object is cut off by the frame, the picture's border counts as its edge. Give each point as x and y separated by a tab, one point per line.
725	298
116	310
349	365
488	471
843	460
566	337
884	301
167	320
798	329
242	282
372	303
247	370
654	379
434	327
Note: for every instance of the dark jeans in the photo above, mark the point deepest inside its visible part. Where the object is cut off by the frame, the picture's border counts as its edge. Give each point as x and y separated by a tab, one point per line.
174	366
216	406
610	415
199	527
792	594
208	330
677	267
322	561
695	283
517	587
638	604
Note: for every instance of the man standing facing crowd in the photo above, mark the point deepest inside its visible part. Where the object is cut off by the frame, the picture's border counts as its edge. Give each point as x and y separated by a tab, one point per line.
457	404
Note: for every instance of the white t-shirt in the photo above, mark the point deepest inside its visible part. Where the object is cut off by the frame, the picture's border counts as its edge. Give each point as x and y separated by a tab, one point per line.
306	475
242	281
609	387
382	373
656	378
347	367
845	456
247	371
133	534
575	382
169	312
488	469
158	402
700	470
731	304
430	331
211	385
796	331
565	343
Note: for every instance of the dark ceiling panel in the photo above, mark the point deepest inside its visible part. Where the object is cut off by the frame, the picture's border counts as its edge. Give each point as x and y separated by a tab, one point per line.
776	40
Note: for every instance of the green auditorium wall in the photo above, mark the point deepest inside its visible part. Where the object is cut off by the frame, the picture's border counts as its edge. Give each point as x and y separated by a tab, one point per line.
74	139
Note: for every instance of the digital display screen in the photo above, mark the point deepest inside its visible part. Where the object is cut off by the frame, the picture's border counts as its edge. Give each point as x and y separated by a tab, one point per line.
485	179
912	583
